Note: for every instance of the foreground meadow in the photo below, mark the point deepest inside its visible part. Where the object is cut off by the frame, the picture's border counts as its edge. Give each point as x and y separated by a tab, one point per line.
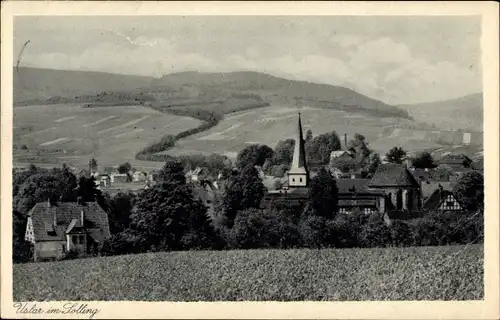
423	273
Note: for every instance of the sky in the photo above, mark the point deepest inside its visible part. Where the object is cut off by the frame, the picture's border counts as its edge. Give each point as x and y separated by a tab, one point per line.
398	60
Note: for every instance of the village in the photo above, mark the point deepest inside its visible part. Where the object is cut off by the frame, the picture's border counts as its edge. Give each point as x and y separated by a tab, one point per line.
395	191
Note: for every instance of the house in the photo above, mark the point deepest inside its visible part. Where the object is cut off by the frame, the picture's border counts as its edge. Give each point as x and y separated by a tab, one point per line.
154	175
57	229
139	176
119	178
442	200
196	174
402	191
455	161
340	155
105	180
355	194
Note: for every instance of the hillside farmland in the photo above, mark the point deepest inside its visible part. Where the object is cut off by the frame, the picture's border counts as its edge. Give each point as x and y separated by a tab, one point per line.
278	122
72	134
415	273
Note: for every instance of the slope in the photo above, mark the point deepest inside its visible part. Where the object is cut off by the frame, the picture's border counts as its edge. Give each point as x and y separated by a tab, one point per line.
465	113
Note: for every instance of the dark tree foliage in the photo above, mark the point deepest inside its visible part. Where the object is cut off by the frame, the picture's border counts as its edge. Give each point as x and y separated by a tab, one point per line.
309	135
124	168
120	208
283	152
245	190
396	155
318	149
469	190
22	251
313	231
323	195
88	191
254	155
424	161
93	164
168	217
39	186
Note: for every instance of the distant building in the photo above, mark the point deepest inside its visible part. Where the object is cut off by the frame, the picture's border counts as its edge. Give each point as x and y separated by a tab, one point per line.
442	200
196	174
57	229
139	176
355	194
119	177
456	161
402	191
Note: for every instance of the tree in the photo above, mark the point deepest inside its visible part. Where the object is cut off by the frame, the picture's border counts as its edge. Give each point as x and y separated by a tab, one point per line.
124	168
373	162
88	191
254	155
168	217
244	190
469	190
283	152
22	251
55	185
93	164
309	135
396	155
119	210
318	149
423	161
442	172
323	195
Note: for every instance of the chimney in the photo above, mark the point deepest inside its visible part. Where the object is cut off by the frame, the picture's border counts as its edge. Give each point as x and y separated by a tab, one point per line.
48	203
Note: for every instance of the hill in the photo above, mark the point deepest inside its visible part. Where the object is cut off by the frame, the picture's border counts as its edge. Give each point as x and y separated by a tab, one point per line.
464	113
35	85
211	86
414	273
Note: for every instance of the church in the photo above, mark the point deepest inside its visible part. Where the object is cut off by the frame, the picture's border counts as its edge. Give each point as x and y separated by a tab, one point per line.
392	188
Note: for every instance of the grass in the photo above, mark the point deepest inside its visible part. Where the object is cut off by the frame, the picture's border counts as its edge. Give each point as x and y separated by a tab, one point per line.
279	122
419	273
112	135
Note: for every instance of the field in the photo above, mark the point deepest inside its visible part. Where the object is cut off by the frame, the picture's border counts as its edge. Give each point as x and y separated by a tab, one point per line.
424	273
271	124
72	134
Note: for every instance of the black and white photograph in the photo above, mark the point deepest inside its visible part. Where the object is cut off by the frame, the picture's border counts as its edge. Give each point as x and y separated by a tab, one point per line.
231	158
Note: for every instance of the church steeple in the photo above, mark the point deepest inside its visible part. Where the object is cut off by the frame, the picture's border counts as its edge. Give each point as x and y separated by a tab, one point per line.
298	176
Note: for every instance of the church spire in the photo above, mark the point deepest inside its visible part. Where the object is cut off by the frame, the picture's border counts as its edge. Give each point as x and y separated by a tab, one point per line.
298	174
299	153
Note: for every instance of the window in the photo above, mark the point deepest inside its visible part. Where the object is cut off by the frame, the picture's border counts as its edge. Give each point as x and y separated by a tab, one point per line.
450	203
367	210
75	240
300	179
293	179
343	211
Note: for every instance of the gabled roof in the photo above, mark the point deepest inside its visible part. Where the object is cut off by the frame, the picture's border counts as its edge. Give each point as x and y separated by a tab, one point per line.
428	188
393	175
437	197
352	185
42	215
420	174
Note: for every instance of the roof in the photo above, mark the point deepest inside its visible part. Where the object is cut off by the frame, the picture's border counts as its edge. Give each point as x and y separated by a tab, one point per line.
393	175
420	174
95	220
337	154
299	164
357	202
437	197
352	185
428	188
